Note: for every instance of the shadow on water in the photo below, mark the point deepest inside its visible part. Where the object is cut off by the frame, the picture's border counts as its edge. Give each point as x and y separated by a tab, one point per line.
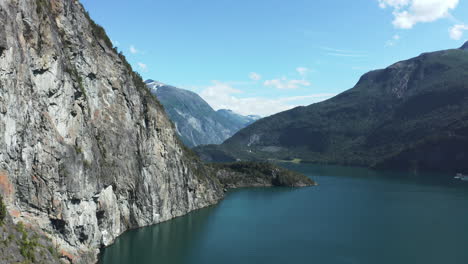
167	242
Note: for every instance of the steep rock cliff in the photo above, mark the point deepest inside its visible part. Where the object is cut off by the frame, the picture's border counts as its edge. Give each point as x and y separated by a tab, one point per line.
86	152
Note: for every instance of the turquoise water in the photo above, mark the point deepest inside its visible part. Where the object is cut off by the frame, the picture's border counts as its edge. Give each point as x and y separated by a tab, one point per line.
354	216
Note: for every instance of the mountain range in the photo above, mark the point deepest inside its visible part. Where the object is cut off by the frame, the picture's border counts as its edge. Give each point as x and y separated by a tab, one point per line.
412	115
87	151
195	120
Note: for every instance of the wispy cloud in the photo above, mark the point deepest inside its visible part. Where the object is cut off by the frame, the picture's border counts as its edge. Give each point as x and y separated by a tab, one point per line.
303	71
221	95
343	53
285	83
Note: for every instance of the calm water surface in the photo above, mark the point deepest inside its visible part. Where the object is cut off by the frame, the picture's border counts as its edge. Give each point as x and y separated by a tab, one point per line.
354	216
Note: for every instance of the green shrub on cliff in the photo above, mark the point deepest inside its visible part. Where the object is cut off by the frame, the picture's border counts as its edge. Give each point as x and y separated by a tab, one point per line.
3	210
246	173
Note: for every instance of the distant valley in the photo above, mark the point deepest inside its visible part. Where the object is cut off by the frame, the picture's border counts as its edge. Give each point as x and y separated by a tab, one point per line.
196	122
412	115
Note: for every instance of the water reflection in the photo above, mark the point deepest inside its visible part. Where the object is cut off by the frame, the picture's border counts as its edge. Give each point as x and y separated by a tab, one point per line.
169	242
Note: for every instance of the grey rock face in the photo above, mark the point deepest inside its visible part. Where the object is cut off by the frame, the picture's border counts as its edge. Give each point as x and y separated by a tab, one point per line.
85	152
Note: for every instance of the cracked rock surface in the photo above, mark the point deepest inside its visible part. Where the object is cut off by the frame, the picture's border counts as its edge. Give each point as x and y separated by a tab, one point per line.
86	152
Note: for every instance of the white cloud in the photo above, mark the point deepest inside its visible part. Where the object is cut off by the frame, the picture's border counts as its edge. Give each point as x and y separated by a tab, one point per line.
219	89
133	50
284	83
393	3
407	13
302	71
142	66
222	96
255	76
456	32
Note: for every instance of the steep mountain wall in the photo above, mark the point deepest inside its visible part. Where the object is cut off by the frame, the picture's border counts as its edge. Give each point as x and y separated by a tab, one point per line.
86	152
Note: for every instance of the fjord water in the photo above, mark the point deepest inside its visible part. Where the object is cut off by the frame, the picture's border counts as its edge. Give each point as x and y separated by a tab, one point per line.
355	215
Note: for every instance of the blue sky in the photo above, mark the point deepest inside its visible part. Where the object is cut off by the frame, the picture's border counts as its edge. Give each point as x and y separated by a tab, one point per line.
265	56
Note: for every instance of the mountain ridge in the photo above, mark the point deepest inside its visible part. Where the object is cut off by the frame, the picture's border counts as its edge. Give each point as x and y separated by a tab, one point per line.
196	122
390	113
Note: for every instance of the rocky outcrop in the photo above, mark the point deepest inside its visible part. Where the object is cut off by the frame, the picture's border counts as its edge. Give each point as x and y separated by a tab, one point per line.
258	174
20	244
86	152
